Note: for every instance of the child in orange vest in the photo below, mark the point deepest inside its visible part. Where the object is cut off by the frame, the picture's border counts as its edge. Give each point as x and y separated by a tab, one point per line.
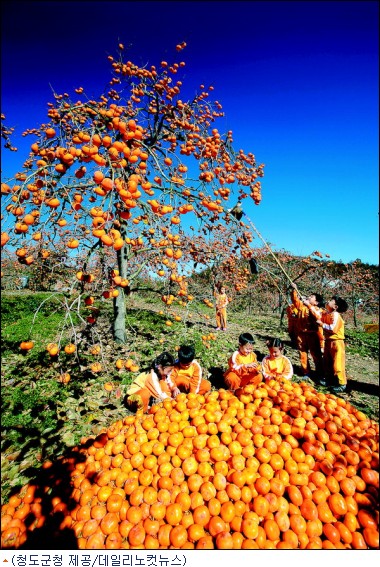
334	355
221	302
187	372
243	367
275	365
155	383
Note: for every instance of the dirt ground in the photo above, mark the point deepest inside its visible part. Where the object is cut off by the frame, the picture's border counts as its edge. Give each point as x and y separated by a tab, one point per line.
363	383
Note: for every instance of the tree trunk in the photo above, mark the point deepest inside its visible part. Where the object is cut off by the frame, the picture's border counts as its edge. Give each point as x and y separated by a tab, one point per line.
280	305
119	311
119	307
355	315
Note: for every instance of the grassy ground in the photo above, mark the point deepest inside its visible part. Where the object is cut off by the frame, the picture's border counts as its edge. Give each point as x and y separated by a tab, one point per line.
42	417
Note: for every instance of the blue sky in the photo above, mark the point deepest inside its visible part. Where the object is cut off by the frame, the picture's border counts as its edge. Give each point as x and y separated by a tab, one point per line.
298	82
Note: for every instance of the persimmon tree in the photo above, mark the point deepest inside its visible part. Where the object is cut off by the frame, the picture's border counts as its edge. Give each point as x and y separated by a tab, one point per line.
219	255
358	283
116	180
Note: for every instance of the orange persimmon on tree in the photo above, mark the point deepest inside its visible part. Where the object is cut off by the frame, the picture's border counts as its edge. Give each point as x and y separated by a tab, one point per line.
115	181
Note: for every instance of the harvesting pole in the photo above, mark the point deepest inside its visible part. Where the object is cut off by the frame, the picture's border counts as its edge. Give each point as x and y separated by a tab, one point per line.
238	209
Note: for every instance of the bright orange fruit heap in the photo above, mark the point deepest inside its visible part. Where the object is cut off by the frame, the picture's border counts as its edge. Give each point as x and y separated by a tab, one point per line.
273	466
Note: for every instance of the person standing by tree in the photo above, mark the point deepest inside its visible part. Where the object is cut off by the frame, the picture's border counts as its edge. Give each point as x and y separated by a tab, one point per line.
221	302
308	334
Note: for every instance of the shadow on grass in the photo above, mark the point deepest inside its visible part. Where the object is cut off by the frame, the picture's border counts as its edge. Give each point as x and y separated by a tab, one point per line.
363	387
34	441
288	344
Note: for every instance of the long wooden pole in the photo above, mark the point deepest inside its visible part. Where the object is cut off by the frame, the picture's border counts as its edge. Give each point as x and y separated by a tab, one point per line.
269	248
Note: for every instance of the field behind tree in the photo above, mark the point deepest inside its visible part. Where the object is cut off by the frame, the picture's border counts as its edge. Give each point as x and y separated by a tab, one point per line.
42	417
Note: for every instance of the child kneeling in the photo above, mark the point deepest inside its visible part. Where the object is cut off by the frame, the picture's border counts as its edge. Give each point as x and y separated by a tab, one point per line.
275	365
187	372
155	383
243	367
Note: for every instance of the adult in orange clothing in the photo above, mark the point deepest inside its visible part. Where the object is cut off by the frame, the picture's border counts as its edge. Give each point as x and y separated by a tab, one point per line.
243	367
154	383
187	372
334	356
276	365
221	302
309	337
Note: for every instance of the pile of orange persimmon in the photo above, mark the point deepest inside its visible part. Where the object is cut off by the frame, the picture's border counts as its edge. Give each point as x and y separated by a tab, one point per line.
273	466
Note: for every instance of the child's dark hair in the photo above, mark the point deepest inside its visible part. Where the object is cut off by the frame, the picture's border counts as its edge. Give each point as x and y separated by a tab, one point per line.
246	338
319	299
186	354
164	359
277	343
341	303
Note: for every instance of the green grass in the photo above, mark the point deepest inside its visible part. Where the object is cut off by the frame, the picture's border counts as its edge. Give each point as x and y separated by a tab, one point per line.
361	343
39	317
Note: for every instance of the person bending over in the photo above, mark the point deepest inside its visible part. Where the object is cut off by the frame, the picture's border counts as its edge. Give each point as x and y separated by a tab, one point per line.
187	372
152	384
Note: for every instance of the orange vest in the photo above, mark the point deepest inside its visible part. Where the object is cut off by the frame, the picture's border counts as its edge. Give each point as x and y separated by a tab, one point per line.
237	360
305	320
221	300
193	374
151	382
333	325
279	367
